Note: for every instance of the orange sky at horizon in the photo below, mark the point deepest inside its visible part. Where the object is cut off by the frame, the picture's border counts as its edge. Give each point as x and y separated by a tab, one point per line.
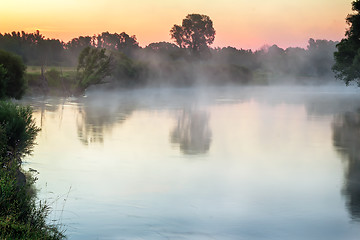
238	23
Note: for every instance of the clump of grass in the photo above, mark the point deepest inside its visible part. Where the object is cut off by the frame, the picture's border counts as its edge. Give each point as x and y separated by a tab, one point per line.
21	217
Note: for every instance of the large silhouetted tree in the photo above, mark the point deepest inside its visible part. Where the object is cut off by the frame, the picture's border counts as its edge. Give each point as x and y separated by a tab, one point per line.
196	32
347	57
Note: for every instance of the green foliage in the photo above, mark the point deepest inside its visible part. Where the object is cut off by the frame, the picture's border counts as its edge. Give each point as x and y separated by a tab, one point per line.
126	71
53	77
19	127
3	146
20	216
12	72
3	81
61	80
195	33
347	57
93	67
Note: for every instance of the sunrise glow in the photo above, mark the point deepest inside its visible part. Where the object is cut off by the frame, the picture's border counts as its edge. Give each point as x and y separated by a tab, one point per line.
240	23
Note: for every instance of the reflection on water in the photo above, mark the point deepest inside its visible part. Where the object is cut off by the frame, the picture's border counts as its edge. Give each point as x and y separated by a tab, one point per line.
42	106
192	132
94	119
346	138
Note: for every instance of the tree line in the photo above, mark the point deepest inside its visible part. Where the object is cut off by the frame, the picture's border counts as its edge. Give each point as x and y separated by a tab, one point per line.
35	49
193	39
119	58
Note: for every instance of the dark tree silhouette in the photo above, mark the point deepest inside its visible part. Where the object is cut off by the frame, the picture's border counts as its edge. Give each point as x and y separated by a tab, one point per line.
196	32
347	57
33	48
161	47
76	45
165	50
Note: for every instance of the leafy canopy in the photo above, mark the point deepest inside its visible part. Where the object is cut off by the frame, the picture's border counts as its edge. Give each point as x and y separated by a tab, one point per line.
347	57
93	67
195	33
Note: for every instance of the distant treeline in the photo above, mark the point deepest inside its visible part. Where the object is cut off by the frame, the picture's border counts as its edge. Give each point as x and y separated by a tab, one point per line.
37	50
164	61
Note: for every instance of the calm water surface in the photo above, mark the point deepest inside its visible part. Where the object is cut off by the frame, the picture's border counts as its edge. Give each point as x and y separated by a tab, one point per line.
227	163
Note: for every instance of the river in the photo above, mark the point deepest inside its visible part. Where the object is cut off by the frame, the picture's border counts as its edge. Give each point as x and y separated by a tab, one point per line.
202	163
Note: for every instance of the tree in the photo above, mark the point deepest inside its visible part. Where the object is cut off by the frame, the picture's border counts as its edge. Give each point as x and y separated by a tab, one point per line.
126	71
75	46
165	50
320	56
347	57
162	47
195	33
114	41
33	48
12	71
93	67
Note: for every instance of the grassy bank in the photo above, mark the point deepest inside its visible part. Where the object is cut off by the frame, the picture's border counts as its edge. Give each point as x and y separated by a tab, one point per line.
58	81
62	81
21	215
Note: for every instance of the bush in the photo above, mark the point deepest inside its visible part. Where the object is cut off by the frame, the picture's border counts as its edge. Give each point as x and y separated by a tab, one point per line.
20	216
53	77
12	71
19	127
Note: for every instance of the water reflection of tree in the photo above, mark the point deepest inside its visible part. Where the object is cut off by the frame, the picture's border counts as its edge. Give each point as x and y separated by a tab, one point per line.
93	122
346	139
42	106
192	132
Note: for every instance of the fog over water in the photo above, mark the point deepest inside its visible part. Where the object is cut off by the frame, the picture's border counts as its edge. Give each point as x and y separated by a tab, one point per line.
278	162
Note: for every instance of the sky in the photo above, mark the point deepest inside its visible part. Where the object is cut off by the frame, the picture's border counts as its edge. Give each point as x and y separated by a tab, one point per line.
238	23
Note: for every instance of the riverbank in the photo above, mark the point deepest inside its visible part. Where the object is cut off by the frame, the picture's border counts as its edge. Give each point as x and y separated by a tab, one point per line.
22	215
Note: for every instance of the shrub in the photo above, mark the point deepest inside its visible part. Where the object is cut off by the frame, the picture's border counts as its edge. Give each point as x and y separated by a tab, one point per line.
20	216
19	127
12	79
